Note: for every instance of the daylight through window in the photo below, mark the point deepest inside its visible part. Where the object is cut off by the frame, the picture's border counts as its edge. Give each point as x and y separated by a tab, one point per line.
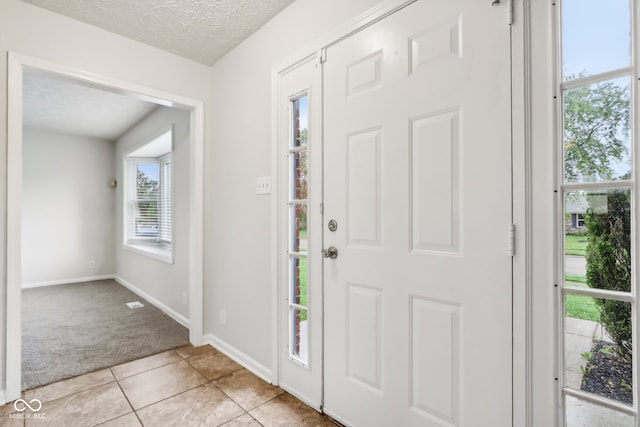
148	197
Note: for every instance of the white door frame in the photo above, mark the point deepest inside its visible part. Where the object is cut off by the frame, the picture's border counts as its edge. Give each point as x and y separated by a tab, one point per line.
522	55
539	124
16	64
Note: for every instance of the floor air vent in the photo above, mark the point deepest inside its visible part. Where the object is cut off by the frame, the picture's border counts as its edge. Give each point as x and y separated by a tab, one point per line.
135	304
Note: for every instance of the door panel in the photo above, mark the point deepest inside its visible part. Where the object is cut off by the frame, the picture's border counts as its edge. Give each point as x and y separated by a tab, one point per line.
417	161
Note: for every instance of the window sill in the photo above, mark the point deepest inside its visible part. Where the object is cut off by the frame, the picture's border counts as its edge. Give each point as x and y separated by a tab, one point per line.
152	250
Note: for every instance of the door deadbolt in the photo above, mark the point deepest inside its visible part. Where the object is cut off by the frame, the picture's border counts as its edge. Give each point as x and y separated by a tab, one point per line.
330	252
332	225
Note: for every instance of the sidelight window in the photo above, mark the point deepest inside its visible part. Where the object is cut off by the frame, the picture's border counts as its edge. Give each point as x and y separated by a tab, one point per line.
597	214
298	256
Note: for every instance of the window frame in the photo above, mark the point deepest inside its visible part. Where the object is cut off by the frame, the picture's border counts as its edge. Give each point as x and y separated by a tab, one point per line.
159	247
564	186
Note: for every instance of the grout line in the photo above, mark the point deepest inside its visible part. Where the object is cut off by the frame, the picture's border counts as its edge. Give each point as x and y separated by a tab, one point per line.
213	349
75	392
146	370
245	412
128	401
234	401
173	395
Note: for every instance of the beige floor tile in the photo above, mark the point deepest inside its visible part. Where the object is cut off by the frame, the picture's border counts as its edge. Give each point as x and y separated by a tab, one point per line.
9	417
202	406
8	420
246	389
214	365
129	420
245	420
145	364
71	386
7	409
190	351
286	410
87	408
157	384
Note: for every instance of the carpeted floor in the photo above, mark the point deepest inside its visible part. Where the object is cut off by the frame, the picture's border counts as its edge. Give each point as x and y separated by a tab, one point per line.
68	330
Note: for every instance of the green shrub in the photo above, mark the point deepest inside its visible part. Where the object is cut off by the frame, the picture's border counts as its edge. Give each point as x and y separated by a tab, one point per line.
609	263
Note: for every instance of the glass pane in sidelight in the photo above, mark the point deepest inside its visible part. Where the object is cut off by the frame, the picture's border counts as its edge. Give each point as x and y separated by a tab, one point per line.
598	357
299	178
300	280
597	239
298	215
596	132
596	36
299	347
581	413
300	118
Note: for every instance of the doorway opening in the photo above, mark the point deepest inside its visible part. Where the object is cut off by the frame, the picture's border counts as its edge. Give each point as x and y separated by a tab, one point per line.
192	158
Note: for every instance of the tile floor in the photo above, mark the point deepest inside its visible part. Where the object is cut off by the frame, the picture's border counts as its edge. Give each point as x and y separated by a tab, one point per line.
188	386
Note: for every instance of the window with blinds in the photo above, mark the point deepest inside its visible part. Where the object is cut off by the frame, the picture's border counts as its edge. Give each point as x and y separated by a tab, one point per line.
148	201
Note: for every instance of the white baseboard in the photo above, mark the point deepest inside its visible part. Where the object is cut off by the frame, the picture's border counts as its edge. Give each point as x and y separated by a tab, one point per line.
168	311
240	357
3	398
67	281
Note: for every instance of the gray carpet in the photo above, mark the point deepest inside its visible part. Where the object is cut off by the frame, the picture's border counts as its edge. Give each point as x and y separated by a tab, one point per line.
68	330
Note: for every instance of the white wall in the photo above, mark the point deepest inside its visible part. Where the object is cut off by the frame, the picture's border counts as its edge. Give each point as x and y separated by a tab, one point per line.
164	282
238	223
68	209
35	32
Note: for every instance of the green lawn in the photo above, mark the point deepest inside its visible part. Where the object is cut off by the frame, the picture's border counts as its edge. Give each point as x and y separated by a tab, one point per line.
579	306
575	244
304	279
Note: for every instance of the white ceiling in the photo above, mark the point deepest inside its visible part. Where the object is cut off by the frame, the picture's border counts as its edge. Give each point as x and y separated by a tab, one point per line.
55	103
201	30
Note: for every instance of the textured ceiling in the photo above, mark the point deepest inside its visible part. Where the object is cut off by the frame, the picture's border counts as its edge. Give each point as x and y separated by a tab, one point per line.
58	104
201	30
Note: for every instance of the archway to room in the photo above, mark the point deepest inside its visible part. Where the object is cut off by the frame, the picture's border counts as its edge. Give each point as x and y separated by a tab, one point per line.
107	258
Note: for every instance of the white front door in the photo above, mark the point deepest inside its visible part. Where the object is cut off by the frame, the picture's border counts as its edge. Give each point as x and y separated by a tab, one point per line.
417	176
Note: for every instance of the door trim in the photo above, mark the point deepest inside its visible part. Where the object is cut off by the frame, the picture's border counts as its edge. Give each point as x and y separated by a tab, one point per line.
16	63
522	195
521	114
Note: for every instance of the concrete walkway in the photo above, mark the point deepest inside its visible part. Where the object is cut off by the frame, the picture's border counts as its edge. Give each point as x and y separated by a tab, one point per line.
575	265
579	337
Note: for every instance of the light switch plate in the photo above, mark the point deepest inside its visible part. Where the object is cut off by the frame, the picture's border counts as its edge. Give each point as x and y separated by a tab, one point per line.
263	185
